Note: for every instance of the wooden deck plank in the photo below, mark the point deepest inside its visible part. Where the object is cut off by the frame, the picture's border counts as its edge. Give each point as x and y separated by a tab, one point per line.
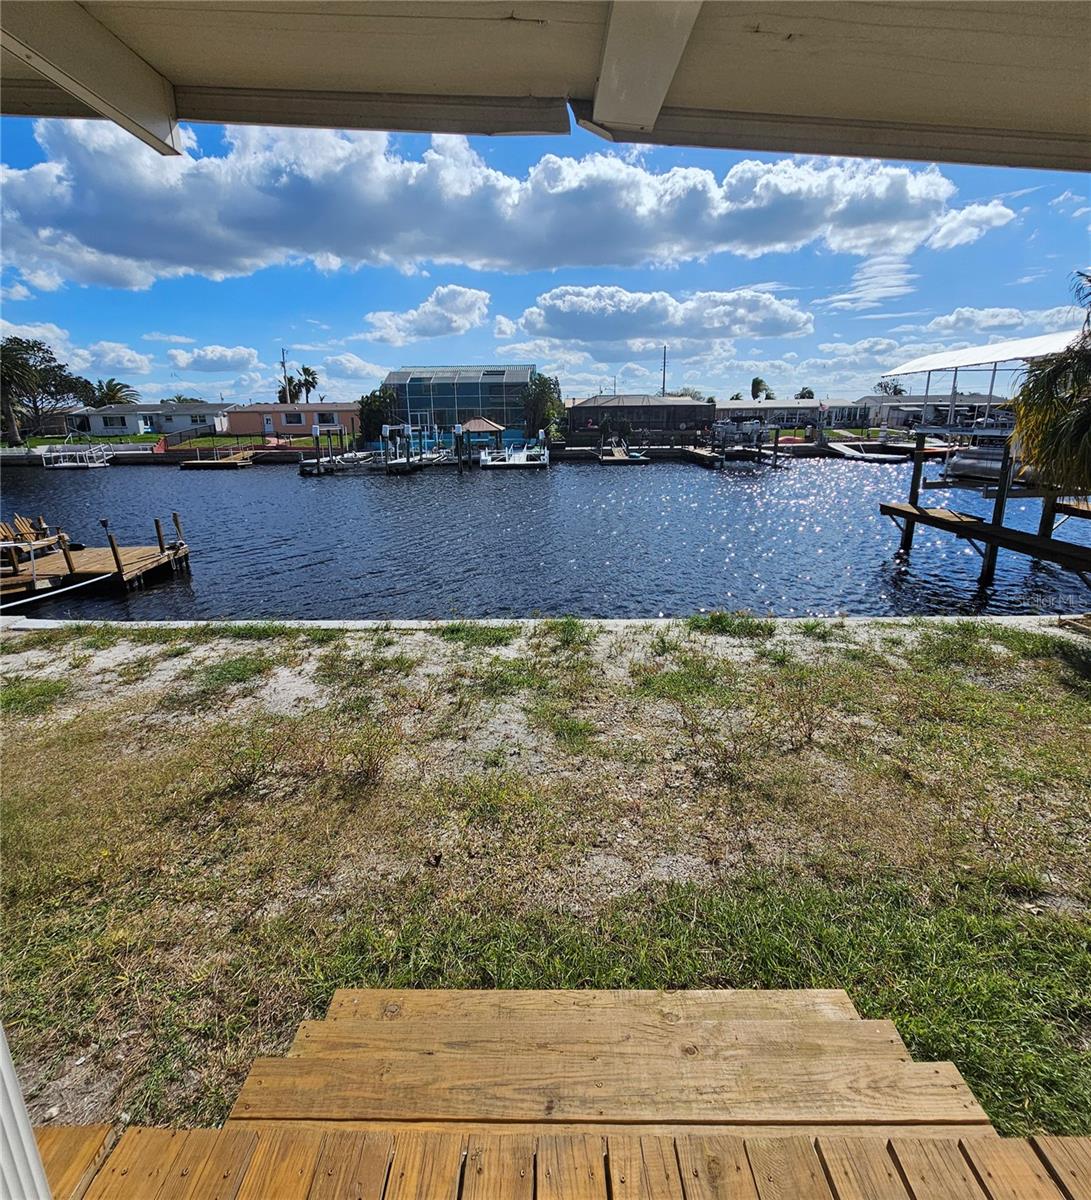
597	1031
643	1168
715	1168
352	1166
499	1167
222	1173
502	1005
283	1165
199	1144
1011	1170
425	1167
861	1169
138	1165
607	1088
571	1167
935	1170
787	1169
71	1154
1069	1162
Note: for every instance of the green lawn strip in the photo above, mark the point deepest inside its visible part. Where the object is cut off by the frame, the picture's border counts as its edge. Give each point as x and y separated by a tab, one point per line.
474	633
21	695
733	624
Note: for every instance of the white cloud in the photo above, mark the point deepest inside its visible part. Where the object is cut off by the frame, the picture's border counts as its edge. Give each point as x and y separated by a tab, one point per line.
17	291
215	358
884	277
1005	320
961	226
448	310
116	356
614	323
349	366
101	210
1065	198
176	339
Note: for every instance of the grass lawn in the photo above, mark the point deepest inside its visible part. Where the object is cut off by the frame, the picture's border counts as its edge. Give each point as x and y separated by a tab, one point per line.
93	438
223	440
207	830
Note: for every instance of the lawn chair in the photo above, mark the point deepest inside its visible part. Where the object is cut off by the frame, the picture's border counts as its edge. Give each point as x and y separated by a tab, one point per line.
39	535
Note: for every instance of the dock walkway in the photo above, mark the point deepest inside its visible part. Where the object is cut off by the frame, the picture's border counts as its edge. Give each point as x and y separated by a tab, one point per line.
583	1095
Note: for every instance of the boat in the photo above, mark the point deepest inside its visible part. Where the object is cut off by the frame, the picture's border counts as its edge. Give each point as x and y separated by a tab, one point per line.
981	460
616	451
527	455
340	464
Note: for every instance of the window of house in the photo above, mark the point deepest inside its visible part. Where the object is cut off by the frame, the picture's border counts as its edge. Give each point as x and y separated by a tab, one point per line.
326	418
114	422
196	419
293	418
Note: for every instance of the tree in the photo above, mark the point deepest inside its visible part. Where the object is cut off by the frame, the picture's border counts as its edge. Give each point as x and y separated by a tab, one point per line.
541	403
308	381
736	398
290	390
34	385
1053	409
113	391
179	398
375	411
758	387
805	393
692	392
889	387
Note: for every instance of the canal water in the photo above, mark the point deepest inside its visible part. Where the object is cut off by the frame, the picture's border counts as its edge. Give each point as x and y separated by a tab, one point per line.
663	540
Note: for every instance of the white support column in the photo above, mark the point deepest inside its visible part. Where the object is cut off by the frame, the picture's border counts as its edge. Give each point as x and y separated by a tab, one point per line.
63	42
644	43
21	1172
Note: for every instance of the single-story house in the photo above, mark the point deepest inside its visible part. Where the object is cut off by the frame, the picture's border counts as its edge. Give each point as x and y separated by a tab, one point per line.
129	420
930	409
641	411
794	411
292	420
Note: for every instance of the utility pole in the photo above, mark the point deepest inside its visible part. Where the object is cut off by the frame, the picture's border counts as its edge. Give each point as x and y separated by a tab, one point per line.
284	373
664	390
615	385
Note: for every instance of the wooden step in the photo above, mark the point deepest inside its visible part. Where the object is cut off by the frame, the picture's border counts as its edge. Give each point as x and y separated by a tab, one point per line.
295	1162
386	1004
602	1033
544	1087
71	1154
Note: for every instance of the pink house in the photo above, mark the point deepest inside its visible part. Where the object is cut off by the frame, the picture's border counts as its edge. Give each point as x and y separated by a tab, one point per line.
292	420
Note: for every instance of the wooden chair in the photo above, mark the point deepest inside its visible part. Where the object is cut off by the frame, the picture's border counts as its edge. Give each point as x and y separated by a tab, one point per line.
38	535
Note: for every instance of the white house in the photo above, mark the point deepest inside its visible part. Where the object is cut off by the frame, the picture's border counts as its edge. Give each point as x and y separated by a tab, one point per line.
130	420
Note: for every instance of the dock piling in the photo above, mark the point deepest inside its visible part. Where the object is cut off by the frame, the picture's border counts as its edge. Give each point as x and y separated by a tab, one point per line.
1049	515
988	569
914	495
178	526
119	562
159	535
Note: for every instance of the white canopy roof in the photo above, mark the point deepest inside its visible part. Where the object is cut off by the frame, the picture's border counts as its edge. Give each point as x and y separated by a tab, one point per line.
1013	350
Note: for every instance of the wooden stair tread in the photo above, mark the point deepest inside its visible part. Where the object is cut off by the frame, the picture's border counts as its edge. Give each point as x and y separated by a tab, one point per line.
389	1004
71	1154
543	1088
601	1032
299	1163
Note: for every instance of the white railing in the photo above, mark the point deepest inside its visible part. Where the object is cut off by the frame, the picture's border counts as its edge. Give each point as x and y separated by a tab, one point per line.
21	1172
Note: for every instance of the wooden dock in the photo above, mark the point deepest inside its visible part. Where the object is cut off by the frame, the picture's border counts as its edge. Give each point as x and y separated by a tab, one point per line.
703	456
229	462
582	1095
29	577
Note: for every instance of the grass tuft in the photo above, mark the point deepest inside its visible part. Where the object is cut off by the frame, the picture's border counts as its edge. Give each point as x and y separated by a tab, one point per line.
25	697
732	624
474	633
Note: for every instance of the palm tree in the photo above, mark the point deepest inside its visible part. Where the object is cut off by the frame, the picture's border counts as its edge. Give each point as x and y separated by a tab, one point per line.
113	391
308	381
757	386
805	393
289	391
736	398
17	378
1053	409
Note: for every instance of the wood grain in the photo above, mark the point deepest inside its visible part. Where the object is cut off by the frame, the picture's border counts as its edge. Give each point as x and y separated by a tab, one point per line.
643	1168
499	1167
1011	1170
283	1165
1069	1161
352	1166
787	1169
571	1167
861	1168
715	1168
71	1154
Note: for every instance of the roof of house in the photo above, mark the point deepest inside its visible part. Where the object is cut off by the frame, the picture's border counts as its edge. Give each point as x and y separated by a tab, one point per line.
465	373
782	403
1012	350
638	400
317	406
196	407
481	425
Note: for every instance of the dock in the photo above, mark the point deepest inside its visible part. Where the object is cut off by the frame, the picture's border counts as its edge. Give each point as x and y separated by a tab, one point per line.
583	1095
32	575
229	462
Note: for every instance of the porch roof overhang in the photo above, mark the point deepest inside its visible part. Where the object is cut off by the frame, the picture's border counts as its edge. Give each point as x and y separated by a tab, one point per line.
1001	82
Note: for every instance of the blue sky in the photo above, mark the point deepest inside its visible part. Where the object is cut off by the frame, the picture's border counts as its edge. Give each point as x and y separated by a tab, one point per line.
359	252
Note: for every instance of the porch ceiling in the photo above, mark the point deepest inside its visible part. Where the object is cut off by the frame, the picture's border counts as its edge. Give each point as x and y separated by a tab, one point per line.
1000	82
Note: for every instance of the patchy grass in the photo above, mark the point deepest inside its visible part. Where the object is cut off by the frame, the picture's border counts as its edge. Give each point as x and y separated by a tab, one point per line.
901	811
732	624
471	633
30	697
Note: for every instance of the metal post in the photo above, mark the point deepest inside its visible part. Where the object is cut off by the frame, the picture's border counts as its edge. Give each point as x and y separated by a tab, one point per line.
317	452
21	1171
776	444
159	535
914	495
988	569
951	402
